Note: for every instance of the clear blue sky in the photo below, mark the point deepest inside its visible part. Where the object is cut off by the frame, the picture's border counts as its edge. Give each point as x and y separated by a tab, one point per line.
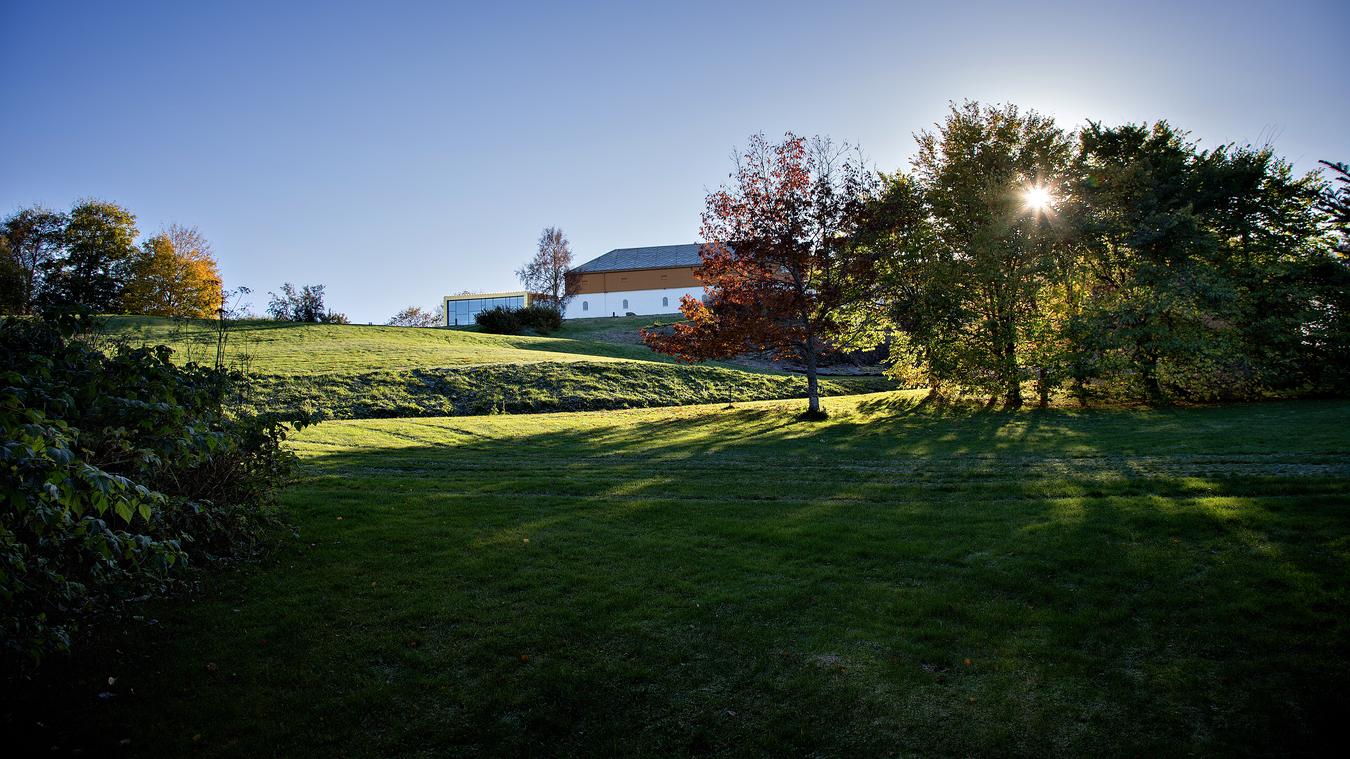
399	151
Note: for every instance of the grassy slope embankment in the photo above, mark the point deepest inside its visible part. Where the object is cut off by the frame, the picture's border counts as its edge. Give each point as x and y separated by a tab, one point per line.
282	348
894	581
529	388
353	371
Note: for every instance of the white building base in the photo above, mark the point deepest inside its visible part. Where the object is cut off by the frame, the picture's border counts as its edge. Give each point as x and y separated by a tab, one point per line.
639	302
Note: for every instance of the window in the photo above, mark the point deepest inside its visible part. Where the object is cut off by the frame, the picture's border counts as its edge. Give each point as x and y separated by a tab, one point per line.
665	302
585	306
625	303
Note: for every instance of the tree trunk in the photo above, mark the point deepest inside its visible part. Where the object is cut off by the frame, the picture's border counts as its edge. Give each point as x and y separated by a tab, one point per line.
1149	372
812	381
1043	385
1014	397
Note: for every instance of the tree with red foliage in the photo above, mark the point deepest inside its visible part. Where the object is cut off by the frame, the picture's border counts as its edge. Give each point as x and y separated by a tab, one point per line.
785	261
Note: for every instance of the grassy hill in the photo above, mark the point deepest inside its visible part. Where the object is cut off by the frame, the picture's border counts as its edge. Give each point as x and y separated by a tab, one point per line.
355	372
517	388
270	347
702	580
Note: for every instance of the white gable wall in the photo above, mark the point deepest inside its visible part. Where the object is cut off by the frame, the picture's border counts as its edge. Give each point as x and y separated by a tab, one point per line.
640	302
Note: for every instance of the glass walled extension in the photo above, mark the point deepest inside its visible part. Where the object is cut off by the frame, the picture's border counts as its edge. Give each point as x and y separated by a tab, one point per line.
464	311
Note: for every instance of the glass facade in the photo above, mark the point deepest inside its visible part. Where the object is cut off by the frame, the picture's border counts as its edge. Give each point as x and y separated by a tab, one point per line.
464	312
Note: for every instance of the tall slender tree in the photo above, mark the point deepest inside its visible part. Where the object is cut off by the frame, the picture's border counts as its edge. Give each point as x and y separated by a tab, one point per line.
546	273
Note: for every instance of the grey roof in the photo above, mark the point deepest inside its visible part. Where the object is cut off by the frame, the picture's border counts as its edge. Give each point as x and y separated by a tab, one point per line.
656	257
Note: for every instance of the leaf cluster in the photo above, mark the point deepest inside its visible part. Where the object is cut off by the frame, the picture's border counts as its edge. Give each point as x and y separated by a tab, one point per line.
116	471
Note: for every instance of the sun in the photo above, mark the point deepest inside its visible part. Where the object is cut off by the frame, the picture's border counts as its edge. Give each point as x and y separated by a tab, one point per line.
1037	198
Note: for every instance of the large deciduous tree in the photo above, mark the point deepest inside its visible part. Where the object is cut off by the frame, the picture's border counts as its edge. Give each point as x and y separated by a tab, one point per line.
1210	271
100	245
968	301
546	273
33	239
784	262
174	275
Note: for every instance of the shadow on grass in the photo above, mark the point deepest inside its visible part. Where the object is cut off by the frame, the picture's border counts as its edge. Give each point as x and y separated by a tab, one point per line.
897	579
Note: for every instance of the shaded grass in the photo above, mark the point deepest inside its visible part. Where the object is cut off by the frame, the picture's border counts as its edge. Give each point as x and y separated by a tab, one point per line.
711	580
528	388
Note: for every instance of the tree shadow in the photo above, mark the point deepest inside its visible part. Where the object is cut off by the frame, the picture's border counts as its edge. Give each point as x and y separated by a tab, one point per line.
1134	581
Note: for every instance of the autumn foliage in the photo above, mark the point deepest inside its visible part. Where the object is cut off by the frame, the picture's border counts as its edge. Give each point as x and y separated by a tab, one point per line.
785	258
174	275
89	257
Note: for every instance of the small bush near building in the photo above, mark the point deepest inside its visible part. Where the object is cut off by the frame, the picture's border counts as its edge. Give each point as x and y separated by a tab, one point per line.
499	321
512	321
541	319
116	470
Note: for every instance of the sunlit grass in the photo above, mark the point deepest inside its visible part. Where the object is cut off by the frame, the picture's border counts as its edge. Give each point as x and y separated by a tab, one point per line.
270	347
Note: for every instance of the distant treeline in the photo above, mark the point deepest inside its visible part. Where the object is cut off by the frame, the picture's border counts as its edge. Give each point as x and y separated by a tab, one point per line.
89	256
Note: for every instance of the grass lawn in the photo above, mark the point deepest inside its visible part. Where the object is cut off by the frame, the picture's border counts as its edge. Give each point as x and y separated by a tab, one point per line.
358	372
285	348
531	388
715	580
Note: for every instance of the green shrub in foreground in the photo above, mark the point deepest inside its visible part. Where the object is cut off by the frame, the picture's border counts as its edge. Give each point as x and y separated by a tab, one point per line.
115	472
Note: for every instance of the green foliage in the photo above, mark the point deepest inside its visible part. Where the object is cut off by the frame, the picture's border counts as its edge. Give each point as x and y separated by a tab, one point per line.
542	319
302	305
537	318
1202	267
1335	202
1159	271
500	321
968	288
116	469
12	276
99	245
30	240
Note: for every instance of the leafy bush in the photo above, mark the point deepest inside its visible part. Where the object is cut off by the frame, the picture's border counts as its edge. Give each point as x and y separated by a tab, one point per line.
115	472
500	320
512	321
540	318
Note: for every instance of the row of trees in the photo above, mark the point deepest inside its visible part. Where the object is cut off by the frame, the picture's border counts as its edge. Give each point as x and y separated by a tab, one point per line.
89	255
1108	263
